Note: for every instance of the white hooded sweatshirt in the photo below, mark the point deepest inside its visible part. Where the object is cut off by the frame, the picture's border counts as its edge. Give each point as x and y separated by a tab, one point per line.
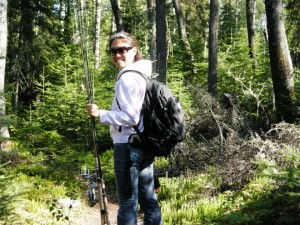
130	91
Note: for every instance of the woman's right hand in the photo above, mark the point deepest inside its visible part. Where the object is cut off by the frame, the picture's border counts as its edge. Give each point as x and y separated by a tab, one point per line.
93	110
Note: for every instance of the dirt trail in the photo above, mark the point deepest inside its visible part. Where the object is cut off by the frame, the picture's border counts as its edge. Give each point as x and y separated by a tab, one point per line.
81	214
85	215
91	215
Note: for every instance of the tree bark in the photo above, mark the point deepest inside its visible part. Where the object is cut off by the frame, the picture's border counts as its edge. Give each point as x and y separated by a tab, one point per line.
26	22
97	33
3	49
236	16
152	27
67	23
24	58
213	47
161	39
250	12
280	60
117	15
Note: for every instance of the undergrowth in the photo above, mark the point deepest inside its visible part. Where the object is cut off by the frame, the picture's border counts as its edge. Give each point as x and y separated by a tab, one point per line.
270	197
225	172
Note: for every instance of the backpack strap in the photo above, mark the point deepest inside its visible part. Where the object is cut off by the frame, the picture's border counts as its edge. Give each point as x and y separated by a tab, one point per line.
120	127
142	111
136	126
140	73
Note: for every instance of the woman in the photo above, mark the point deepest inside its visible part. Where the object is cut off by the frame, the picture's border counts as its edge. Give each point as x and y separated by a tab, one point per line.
133	166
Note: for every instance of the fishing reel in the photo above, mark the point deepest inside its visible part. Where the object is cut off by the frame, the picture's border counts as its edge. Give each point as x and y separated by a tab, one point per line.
92	190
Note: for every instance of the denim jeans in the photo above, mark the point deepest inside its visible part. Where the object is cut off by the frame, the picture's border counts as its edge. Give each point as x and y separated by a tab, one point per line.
134	178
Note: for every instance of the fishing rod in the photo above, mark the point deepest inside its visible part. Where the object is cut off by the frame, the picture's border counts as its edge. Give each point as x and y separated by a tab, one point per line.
96	191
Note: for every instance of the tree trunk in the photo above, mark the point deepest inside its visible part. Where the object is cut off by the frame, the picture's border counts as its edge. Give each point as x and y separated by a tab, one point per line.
97	33
236	16
3	48
183	35
117	15
281	63
152	27
161	41
250	12
67	31
213	47
25	78
26	22
62	14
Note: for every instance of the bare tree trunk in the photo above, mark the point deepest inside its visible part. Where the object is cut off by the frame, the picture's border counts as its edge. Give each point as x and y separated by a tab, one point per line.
236	16
67	22
26	22
250	12
3	48
24	59
281	63
152	22
97	33
183	35
117	15
161	39
213	47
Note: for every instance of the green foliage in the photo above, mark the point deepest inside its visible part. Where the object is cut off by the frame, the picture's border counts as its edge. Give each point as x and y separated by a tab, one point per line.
107	168
56	210
277	202
64	66
292	29
106	160
6	197
249	80
228	27
10	196
183	200
59	116
176	83
161	163
196	19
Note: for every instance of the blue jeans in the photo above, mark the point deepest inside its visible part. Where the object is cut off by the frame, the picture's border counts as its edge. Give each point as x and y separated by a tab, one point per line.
134	178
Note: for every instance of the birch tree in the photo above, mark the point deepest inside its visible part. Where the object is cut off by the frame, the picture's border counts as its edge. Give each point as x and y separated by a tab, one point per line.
3	48
97	33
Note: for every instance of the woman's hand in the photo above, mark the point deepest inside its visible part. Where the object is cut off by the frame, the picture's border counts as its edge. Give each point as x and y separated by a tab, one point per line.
93	110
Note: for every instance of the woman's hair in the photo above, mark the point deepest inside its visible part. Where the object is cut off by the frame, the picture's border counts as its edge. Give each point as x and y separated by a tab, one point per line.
130	38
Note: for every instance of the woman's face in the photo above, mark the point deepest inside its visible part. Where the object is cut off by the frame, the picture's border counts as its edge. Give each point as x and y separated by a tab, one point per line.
122	53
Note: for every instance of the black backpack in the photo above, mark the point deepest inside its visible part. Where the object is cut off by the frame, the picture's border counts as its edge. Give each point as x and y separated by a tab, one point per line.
163	117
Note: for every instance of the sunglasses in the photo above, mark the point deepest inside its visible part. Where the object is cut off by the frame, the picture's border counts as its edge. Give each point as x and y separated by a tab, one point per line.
121	50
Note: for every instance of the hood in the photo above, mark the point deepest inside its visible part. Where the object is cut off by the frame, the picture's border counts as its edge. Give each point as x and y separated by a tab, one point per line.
142	66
